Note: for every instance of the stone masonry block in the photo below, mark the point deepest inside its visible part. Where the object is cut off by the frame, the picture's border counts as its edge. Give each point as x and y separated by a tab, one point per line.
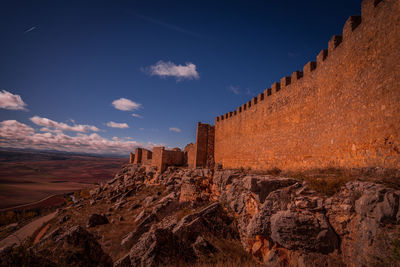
309	67
297	75
350	25
335	41
276	87
285	81
322	56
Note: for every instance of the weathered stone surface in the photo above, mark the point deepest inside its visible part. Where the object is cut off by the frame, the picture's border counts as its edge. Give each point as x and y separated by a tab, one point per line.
261	186
364	214
97	219
132	237
280	221
18	256
78	247
159	247
303	230
203	248
211	219
342	112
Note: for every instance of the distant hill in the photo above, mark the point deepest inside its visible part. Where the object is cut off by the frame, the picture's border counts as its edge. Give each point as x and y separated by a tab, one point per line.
17	155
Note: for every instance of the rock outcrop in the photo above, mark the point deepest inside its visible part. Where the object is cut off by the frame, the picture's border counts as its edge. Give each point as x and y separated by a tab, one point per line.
97	219
199	216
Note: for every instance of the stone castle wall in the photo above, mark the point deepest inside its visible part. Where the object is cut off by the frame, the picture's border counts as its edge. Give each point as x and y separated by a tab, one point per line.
204	146
341	111
190	155
199	154
163	158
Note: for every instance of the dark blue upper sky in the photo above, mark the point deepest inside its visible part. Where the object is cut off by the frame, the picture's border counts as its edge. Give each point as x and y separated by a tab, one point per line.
69	60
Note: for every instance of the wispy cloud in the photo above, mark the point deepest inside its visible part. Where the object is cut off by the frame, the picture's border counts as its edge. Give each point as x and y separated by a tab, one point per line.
11	101
238	91
174	129
125	104
170	69
51	125
30	29
19	135
234	89
137	115
117	125
249	91
168	26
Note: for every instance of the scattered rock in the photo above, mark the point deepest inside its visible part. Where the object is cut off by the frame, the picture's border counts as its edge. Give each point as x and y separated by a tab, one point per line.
202	248
303	230
65	218
159	247
280	221
97	219
73	247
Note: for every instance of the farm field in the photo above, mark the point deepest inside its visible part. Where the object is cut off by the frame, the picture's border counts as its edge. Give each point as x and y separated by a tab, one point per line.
27	177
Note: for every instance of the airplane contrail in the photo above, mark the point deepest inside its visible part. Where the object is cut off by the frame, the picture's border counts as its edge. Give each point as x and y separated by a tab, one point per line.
30	29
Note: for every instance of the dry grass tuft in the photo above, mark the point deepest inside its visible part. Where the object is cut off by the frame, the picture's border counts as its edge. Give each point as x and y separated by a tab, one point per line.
327	186
230	254
328	181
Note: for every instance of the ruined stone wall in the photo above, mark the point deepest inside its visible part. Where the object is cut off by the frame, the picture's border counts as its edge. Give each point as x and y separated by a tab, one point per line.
157	157
142	156
190	155
210	147
131	157
341	111
204	146
146	157
173	158
163	158
138	156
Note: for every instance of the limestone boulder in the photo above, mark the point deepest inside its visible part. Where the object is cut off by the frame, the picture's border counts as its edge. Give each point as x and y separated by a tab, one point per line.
262	185
97	219
303	230
75	246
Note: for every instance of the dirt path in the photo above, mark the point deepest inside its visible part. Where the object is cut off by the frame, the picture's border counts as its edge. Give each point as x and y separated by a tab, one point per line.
26	231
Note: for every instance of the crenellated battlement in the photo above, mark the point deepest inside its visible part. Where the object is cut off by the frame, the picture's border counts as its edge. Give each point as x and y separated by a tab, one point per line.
351	24
339	89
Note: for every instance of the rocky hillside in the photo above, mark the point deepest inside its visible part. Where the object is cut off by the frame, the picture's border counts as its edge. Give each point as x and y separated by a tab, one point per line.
213	218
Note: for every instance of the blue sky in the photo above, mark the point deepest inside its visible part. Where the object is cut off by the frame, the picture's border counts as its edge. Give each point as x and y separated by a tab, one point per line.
179	62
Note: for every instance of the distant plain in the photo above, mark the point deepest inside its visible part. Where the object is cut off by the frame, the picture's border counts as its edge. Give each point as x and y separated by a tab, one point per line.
27	177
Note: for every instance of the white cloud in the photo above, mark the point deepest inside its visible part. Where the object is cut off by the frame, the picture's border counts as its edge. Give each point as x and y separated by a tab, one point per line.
126	104
15	130
11	101
19	135
169	69
137	115
117	125
51	125
234	89
45	129
174	129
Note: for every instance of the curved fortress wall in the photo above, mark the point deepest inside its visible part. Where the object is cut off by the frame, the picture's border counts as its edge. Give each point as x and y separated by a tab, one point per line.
341	111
